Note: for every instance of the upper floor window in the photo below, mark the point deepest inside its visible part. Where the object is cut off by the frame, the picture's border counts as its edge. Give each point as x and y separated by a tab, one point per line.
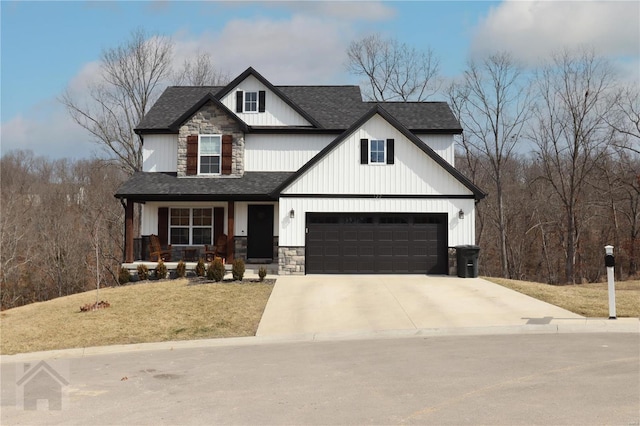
209	154
377	151
250	101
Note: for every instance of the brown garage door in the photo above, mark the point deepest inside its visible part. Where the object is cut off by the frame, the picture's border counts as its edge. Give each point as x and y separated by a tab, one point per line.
374	243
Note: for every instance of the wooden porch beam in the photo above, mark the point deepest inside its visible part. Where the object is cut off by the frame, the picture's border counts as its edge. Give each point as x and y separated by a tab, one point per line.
128	232
230	236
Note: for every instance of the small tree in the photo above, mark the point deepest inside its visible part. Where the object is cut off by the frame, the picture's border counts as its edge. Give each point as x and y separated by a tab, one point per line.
143	272
237	270
181	269
262	272
124	276
216	270
161	270
200	268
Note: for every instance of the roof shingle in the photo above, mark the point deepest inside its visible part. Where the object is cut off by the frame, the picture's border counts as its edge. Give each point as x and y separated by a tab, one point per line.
162	186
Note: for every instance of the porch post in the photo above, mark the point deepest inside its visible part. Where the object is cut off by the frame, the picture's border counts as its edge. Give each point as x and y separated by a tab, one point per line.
128	232
230	238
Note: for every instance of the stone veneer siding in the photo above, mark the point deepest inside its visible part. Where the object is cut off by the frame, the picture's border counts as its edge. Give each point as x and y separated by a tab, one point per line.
240	246
291	261
453	262
212	120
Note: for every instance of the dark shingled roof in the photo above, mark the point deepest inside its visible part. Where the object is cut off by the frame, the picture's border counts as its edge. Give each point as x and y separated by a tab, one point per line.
333	108
173	102
162	186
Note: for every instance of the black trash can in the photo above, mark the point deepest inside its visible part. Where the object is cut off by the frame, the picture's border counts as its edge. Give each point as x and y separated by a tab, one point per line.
467	259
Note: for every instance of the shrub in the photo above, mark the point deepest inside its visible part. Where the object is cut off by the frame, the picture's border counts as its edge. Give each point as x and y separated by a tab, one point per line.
143	272
181	269
200	268
237	270
216	270
123	275
161	270
262	272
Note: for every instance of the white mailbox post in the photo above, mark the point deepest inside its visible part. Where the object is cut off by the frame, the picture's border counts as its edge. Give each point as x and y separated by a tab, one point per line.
609	262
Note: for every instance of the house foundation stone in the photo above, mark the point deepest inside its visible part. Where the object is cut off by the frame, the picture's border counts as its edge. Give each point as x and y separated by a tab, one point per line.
291	261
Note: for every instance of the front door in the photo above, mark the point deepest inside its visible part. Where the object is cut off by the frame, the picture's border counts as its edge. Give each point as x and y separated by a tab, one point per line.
260	232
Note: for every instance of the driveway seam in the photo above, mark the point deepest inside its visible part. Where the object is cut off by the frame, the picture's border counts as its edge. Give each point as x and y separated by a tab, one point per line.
401	307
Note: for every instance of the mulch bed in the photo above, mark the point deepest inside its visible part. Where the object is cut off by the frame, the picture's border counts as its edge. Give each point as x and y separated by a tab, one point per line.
204	280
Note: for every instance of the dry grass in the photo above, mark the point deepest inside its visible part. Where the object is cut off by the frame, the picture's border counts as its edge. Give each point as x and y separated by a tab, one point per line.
590	300
146	312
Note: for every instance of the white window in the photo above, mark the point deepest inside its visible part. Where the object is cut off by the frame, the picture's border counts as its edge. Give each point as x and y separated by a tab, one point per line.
377	151
189	226
250	101
209	154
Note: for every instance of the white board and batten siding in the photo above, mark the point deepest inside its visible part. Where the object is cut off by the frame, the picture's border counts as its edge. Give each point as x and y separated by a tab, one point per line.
281	153
277	112
413	171
443	146
160	153
460	231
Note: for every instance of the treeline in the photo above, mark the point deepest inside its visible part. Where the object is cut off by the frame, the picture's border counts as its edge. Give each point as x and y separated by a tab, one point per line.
61	229
535	222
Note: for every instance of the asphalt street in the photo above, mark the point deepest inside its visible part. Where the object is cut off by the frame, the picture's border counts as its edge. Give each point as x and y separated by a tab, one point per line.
586	378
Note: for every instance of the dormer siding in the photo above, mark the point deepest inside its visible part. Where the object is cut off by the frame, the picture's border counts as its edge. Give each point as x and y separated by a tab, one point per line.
210	119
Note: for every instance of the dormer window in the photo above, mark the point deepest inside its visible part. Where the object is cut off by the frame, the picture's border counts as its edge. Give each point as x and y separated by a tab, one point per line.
209	153
250	101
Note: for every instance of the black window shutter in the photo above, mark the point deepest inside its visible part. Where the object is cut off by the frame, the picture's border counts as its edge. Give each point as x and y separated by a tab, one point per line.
390	148
364	151
261	100
239	100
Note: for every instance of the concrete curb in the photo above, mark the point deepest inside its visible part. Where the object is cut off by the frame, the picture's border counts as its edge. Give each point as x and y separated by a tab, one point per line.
564	326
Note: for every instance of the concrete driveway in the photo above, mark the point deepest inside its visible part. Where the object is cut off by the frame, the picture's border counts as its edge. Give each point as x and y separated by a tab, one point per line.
301	305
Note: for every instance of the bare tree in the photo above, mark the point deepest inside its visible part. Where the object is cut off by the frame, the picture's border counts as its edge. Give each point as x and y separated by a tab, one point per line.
626	121
131	76
200	72
494	105
394	71
572	134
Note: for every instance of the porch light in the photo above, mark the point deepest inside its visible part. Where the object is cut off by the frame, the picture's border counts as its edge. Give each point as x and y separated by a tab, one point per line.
292	213
461	214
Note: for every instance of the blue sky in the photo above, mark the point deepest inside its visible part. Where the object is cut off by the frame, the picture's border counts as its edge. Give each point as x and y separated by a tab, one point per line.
49	46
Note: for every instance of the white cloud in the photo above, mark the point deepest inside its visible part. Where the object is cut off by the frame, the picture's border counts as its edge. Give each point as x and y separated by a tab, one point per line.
302	49
47	130
533	30
344	10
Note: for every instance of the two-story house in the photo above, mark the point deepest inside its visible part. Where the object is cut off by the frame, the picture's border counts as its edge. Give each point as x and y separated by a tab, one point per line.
310	177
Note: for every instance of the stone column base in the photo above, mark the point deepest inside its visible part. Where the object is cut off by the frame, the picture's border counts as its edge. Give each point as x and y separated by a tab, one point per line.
291	260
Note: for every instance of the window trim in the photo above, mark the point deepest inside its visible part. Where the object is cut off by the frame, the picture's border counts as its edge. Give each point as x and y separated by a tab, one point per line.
256	102
191	226
200	155
384	152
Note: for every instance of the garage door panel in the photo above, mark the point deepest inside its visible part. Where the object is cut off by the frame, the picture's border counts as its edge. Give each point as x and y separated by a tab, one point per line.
376	243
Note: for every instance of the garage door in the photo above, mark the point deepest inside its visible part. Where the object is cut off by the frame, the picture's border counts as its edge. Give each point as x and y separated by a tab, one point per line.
376	243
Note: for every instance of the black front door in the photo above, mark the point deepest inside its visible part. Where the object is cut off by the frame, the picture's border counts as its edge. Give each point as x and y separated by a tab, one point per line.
260	232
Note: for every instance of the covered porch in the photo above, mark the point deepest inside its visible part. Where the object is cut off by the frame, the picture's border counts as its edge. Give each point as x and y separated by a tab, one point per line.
189	213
